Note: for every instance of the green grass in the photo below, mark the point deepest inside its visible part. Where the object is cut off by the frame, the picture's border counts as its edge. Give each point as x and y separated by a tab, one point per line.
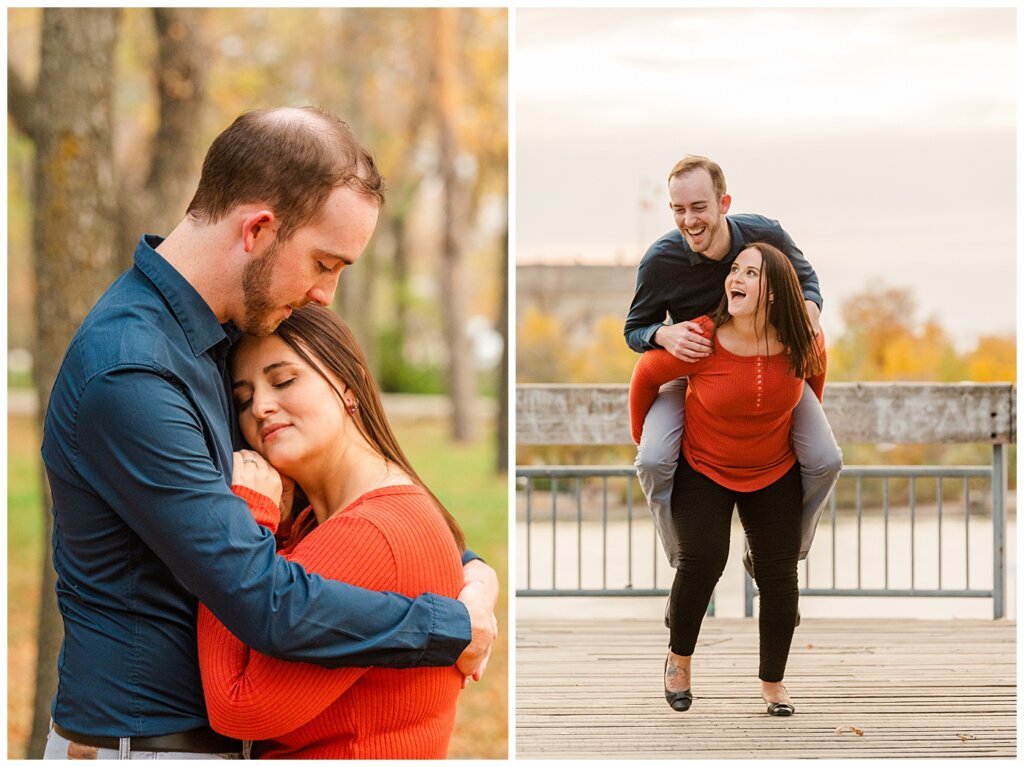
462	476
24	554
24	514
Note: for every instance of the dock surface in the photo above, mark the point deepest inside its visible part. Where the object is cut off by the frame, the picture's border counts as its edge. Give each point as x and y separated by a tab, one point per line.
862	688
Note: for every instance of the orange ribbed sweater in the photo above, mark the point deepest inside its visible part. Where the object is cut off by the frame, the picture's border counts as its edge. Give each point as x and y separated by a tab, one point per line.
390	539
738	413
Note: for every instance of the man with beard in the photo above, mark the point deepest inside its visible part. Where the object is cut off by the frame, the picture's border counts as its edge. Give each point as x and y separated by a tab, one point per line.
682	275
138	446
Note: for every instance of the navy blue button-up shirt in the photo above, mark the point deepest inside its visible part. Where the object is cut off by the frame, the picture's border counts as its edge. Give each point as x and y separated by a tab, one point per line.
138	451
674	280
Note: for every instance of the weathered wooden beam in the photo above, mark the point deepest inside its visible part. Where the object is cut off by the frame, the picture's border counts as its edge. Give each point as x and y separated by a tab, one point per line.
901	413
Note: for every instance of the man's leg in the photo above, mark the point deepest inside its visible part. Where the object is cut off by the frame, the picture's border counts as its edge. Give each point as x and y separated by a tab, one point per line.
820	462
656	460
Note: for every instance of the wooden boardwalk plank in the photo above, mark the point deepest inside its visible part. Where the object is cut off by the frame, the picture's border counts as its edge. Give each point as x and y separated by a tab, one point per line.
915	689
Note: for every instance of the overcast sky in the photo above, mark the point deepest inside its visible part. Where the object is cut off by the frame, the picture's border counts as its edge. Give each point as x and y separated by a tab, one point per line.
883	140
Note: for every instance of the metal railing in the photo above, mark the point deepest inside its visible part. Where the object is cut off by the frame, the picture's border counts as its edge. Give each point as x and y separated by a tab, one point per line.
577	474
569	526
574	477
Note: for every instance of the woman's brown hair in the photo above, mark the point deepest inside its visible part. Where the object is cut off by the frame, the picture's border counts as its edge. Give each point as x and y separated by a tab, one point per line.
323	340
782	304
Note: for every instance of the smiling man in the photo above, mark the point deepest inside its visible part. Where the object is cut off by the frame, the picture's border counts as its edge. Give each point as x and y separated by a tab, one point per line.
138	446
681	277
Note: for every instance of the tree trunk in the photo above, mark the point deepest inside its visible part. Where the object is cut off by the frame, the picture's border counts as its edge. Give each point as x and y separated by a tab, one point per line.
356	288
74	236
461	384
156	204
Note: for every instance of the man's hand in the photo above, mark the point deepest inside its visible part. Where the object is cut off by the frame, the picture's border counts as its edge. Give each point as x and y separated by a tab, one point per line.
479	598
685	340
479	571
814	315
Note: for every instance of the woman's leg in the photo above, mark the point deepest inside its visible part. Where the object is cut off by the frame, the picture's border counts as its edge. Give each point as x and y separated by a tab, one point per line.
771	517
702	512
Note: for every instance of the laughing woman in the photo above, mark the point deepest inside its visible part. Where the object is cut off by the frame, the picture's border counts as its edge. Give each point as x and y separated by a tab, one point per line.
736	451
308	405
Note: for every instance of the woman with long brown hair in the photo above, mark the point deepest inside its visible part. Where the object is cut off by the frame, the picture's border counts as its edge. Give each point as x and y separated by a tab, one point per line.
310	410
736	451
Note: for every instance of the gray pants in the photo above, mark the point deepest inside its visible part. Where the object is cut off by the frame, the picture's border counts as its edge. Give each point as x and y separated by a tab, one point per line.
59	747
815	447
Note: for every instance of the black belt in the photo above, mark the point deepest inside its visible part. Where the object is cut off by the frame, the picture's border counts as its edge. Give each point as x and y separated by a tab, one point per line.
201	741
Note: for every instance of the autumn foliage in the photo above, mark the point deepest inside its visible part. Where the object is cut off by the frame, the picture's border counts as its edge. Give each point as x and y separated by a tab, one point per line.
882	341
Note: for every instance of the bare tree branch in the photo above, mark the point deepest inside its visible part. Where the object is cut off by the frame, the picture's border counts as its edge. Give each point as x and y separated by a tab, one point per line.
157	204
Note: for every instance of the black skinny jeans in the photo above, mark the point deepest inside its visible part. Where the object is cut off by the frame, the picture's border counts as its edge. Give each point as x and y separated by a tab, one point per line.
702	513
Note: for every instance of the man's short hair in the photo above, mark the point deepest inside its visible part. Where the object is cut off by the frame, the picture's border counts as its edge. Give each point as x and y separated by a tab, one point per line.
694	161
291	159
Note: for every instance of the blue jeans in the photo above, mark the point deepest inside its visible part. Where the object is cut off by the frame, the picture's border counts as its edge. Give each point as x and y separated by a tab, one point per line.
816	450
59	747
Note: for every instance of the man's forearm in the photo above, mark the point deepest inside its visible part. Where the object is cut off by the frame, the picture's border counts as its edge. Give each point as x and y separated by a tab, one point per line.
641	339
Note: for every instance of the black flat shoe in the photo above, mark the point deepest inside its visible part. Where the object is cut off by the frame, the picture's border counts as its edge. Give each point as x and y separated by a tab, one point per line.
780	709
679	701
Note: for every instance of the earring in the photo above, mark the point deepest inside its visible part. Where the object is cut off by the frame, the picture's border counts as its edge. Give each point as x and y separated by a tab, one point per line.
352	407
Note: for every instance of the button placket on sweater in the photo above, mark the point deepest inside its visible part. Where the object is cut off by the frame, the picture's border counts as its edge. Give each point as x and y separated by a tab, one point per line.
760	383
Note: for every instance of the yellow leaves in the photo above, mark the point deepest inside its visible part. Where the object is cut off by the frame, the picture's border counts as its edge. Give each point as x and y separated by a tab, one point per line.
548	352
606	359
854	730
994	359
541	348
883	342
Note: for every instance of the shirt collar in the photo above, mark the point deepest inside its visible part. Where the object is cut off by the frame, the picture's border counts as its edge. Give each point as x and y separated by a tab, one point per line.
735	244
195	316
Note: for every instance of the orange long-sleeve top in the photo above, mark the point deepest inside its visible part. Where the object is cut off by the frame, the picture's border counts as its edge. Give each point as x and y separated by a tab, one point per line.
738	413
390	539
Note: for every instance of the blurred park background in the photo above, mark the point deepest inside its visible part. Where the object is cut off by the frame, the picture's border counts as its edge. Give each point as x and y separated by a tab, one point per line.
110	112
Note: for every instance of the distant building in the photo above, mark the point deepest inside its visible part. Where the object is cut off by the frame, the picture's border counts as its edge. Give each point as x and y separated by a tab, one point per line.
577	295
